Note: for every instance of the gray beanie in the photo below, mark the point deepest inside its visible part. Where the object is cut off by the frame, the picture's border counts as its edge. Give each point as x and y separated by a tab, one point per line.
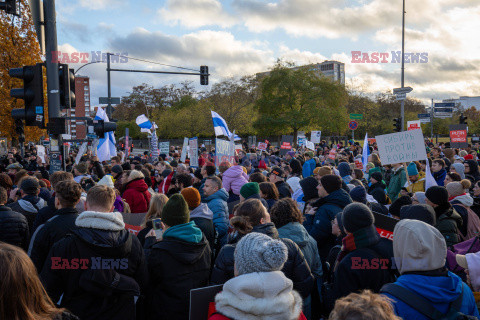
257	252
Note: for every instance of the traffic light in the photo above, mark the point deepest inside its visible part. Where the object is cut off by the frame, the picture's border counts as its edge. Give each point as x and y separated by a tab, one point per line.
100	127
463	119
397	124
20	130
66	79
204	75
32	94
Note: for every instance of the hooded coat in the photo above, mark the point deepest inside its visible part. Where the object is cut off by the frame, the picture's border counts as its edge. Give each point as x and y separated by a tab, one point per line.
234	178
137	196
460	204
203	218
13	228
448	223
217	203
29	206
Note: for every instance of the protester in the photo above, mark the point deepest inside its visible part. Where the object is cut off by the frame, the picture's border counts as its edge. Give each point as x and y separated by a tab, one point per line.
345	171
155	208
80	172
216	199
30	203
471	170
277	177
415	183
396	206
397	181
359	194
438	171
319	172
269	192
421	212
419	198
136	192
309	164
461	203
377	188
459	169
233	179
13	225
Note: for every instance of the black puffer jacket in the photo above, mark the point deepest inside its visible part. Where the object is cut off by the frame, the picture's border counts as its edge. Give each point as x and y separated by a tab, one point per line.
44	214
13	228
377	191
296	268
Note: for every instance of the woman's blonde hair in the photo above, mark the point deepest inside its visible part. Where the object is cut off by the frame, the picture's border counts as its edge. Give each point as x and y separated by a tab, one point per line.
157	202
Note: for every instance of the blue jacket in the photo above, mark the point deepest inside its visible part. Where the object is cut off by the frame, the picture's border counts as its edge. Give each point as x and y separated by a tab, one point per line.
297	233
217	203
441	291
319	226
440	177
308	168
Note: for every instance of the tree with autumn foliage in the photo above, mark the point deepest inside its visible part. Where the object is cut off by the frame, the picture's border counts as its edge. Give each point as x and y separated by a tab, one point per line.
18	47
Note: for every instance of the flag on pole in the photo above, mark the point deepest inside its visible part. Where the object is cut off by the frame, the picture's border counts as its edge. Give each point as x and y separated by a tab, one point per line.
429	179
221	128
143	122
365	153
106	146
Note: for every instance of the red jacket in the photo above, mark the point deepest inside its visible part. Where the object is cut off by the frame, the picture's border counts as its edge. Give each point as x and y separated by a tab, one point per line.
137	196
212	315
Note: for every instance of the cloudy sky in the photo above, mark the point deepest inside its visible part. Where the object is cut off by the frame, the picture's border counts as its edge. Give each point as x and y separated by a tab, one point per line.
242	37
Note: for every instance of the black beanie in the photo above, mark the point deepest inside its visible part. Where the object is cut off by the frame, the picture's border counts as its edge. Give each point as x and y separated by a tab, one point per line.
422	212
438	195
309	188
357	216
126	166
331	182
359	194
175	211
377	176
395	207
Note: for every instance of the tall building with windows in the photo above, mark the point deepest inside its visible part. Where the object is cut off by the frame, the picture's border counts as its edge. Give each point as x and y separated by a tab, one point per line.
77	129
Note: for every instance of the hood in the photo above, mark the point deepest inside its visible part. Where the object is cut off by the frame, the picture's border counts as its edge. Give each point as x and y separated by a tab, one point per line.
439	290
267	228
449	213
464	199
294	183
27	204
105	242
338	197
108	221
138	185
202	211
259	295
295	232
221	194
344	169
188	232
235	172
459	168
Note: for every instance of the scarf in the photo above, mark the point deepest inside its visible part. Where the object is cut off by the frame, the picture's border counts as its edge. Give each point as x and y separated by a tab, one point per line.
362	238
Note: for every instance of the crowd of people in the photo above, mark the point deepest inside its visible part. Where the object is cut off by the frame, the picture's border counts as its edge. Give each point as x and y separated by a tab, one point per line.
288	235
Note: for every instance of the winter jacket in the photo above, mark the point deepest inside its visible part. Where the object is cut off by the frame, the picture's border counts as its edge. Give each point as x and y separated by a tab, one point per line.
257	196
258	295
13	228
29	207
448	223
177	264
283	190
143	233
460	204
297	233
377	191
417	186
100	241
319	225
270	203
44	214
137	196
364	269
49	233
439	290
234	178
217	203
296	268
397	181
203	218
308	168
440	176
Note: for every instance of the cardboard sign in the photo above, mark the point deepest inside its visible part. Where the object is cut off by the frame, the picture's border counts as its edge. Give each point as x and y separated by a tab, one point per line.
184	150
358	164
412	125
286	145
262	146
193	152
385	225
301	141
164	147
332	154
316	136
310	145
41	152
224	151
458	136
200	299
401	147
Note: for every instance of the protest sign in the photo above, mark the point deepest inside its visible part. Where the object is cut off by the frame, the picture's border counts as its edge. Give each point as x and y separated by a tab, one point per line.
224	151
41	153
358	164
184	150
262	146
316	136
286	145
458	136
164	147
412	125
81	152
154	145
200	300
310	145
332	154
193	152
384	225
301	141
401	147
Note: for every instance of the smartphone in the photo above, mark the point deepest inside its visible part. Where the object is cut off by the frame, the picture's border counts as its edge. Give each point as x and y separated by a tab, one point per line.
157	227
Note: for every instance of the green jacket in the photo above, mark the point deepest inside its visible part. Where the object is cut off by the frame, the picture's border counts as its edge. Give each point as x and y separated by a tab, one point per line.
448	223
397	182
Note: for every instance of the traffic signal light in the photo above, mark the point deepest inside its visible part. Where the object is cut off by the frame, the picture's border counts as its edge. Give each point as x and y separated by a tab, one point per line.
20	130
463	119
397	124
100	127
32	94
66	79
204	75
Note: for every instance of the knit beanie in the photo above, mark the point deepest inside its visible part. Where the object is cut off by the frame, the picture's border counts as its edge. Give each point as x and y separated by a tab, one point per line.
459	168
438	195
359	194
192	196
331	183
455	189
175	211
344	169
377	176
357	216
309	154
412	169
249	189
309	188
395	207
117	169
420	197
257	252
322	171
422	212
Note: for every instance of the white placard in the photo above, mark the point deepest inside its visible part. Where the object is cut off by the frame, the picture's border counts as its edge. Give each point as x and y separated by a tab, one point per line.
413	125
401	147
193	152
316	136
41	152
164	147
310	145
184	150
80	153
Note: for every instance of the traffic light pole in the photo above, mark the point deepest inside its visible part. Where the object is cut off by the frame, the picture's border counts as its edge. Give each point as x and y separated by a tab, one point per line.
109	106
402	107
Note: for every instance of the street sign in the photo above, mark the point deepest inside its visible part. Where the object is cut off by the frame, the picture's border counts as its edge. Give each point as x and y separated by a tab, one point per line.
424	117
353	125
356	116
445	105
444	110
401	96
402	90
104	100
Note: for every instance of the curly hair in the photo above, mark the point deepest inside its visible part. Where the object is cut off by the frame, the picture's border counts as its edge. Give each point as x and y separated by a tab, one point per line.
285	211
68	193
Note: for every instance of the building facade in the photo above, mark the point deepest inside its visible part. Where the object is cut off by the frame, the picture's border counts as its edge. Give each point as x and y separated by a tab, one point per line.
466	102
76	128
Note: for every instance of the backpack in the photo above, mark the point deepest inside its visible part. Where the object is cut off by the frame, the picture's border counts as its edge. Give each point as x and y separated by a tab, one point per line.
424	306
473	224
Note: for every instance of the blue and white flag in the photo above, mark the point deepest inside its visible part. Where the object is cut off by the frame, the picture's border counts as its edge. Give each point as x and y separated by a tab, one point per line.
221	128
144	124
106	146
365	153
